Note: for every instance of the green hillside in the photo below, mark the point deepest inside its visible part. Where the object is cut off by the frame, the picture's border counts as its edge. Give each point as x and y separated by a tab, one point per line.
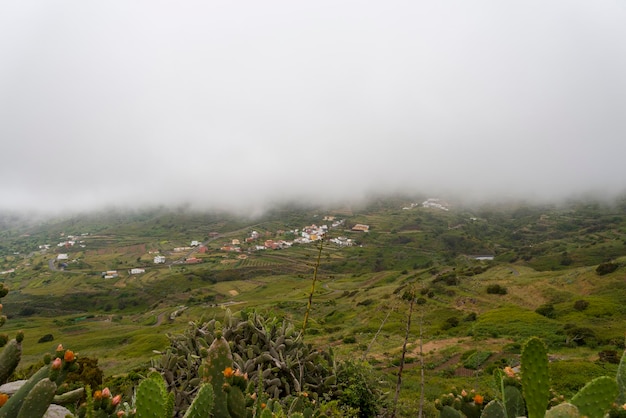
553	271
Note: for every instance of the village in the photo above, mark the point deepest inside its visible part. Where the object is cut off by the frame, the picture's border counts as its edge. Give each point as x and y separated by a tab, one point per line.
260	242
192	254
255	241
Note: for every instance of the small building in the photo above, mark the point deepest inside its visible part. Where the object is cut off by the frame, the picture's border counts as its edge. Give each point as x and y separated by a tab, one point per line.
361	228
110	274
342	241
195	243
159	259
435	203
483	257
193	260
62	257
270	244
137	271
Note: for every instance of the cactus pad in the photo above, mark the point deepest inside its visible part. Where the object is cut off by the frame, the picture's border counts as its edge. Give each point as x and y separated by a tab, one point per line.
202	404
596	397
564	410
513	402
38	399
151	401
535	377
494	409
449	412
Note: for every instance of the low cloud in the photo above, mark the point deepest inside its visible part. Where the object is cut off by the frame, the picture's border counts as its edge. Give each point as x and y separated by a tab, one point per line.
240	106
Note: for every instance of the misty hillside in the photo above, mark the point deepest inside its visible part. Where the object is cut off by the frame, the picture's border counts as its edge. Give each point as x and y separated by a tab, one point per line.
487	277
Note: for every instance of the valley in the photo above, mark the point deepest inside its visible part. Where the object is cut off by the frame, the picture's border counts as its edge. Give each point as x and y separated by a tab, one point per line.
483	280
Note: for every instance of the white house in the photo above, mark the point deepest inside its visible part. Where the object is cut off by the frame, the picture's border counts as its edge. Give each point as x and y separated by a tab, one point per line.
342	241
137	271
62	257
435	203
159	259
483	257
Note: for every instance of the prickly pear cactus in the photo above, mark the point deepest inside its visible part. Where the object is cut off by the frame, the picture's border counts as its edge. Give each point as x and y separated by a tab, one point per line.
449	412
12	353
471	410
564	410
34	395
235	401
268	350
494	409
596	397
535	377
267	413
38	399
151	398
202	404
514	402
218	361
9	359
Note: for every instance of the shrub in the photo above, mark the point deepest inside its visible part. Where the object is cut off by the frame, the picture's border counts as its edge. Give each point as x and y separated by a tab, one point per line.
476	360
579	335
517	323
546	310
27	311
471	317
88	373
496	289
567	377
450	323
606	268
46	338
468	354
609	356
360	389
581	305
449	278
513	348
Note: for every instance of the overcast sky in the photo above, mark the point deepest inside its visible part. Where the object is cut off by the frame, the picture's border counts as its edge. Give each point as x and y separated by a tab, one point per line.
236	104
